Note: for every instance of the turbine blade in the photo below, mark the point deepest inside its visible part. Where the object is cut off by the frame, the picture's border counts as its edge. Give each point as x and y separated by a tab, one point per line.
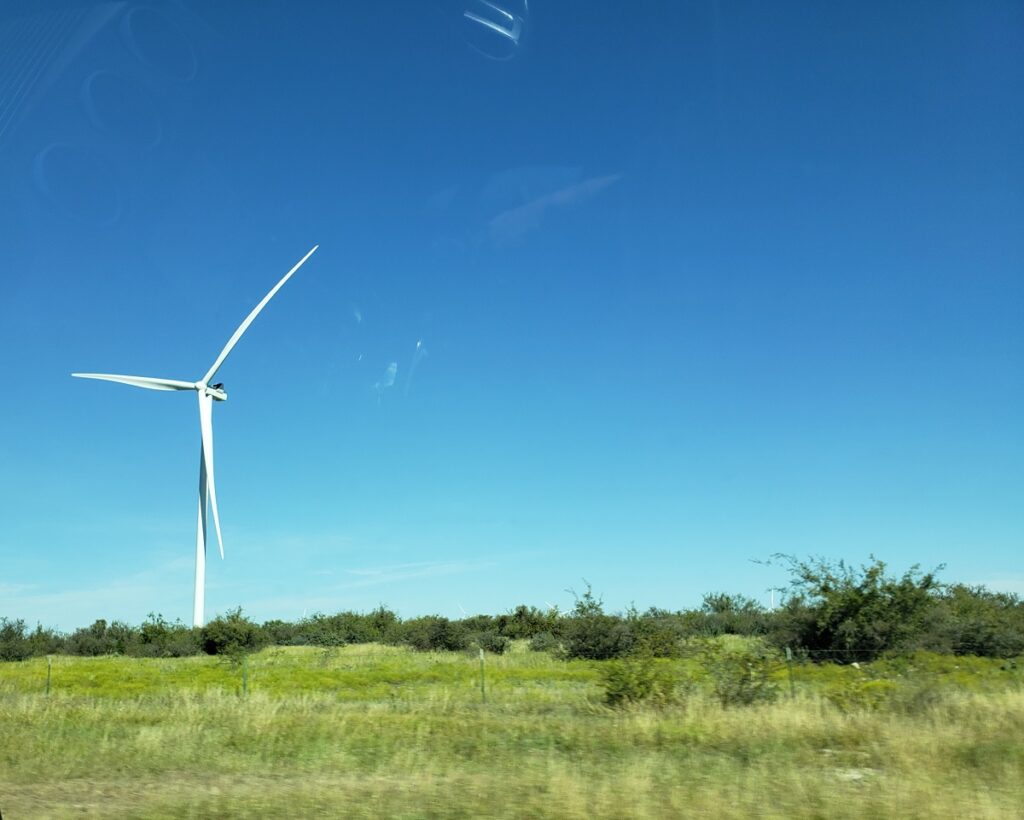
249	319
206	429
139	381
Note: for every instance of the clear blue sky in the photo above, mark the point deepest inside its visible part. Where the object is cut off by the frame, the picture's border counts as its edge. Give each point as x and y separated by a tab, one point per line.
655	290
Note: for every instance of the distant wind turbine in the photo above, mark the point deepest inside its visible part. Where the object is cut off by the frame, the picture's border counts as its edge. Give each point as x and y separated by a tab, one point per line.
208	394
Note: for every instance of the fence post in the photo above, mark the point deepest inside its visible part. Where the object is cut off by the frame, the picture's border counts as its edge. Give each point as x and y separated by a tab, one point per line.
789	667
483	692
49	673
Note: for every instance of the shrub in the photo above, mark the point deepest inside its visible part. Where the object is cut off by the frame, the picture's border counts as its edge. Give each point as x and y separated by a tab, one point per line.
102	638
592	635
545	642
335	630
283	633
433	633
528	621
325	630
384	623
480	623
725	614
44	641
14	646
491	641
635	679
740	675
657	633
159	638
232	634
972	620
849	614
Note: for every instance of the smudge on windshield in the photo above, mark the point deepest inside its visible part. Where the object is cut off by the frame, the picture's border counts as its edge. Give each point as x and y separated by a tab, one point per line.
418	355
387	381
495	31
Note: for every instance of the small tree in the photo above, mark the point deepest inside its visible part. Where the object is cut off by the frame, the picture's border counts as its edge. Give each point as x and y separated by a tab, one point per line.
636	679
384	623
434	633
591	634
855	614
492	641
43	641
972	620
159	638
101	638
14	645
656	632
740	675
726	614
232	634
527	621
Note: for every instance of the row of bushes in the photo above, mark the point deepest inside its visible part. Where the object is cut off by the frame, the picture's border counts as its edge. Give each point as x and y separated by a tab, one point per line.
833	612
234	633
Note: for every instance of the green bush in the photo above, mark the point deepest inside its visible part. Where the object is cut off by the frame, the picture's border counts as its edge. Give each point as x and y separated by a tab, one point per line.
740	675
340	629
657	633
384	623
724	614
283	633
480	623
971	620
331	630
491	641
636	679
101	638
545	642
232	634
14	645
159	638
590	634
528	621
841	613
433	633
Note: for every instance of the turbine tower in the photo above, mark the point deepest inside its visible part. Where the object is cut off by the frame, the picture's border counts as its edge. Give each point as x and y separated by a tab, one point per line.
207	393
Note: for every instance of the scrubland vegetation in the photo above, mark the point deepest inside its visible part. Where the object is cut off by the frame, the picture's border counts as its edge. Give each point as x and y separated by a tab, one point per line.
833	612
883	706
371	731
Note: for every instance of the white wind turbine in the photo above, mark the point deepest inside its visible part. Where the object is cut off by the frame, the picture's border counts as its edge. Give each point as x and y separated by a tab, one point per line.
208	394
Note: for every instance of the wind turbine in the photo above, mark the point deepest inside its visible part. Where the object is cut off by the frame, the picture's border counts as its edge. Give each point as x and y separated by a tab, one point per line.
207	394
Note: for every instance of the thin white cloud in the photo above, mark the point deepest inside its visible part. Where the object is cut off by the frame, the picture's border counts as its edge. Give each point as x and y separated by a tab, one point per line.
373	576
142	591
514	222
259	542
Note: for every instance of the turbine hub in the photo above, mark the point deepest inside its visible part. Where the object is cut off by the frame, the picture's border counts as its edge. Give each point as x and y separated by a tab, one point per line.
215	391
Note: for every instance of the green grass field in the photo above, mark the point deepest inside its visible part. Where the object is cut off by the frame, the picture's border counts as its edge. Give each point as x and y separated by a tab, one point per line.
371	731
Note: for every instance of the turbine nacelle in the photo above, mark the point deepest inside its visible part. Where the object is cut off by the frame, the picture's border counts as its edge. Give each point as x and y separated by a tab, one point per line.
214	391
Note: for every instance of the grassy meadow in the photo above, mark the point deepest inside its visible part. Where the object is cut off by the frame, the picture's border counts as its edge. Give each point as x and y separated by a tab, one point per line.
372	731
